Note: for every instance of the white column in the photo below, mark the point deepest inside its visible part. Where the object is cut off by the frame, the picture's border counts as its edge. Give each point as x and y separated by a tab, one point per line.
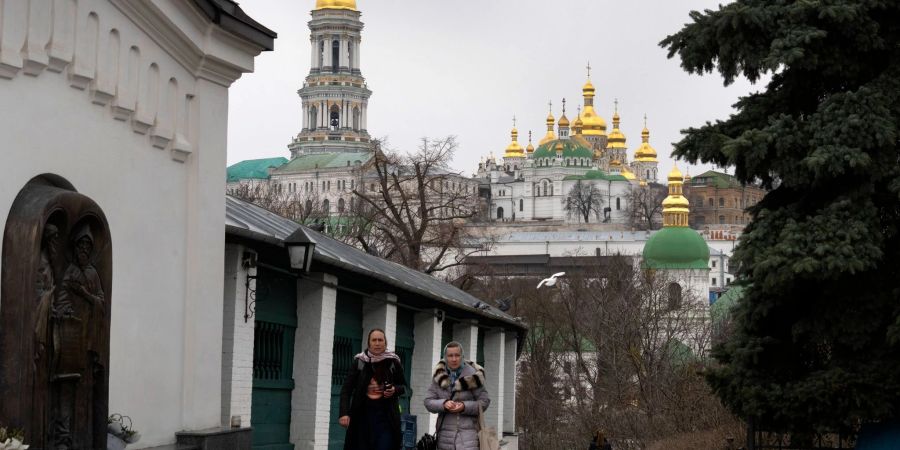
311	398
380	311
509	384
345	55
426	353
314	51
237	340
467	335
305	115
494	360
327	52
363	121
357	48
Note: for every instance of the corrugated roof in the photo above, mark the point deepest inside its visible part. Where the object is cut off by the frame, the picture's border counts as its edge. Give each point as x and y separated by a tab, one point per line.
314	161
717	179
251	221
569	236
257	169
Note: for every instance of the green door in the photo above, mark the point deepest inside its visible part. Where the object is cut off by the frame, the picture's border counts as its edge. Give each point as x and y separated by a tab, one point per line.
273	360
406	341
347	343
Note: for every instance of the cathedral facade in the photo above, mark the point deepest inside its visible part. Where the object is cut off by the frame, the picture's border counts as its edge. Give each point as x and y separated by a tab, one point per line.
578	172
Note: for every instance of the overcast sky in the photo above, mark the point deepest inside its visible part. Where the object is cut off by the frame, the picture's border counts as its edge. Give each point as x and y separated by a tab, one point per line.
439	67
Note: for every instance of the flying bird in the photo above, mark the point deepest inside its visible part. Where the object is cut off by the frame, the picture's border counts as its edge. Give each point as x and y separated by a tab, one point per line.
550	282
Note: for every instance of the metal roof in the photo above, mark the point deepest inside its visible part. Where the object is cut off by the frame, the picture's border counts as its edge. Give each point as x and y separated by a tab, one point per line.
252	222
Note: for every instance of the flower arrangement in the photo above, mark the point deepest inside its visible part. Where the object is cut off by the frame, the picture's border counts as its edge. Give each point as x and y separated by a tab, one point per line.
12	439
120	431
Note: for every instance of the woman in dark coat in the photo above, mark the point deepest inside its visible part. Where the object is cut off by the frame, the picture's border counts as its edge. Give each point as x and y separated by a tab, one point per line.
370	397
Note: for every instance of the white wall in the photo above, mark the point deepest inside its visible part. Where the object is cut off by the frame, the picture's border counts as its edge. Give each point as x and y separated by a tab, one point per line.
164	205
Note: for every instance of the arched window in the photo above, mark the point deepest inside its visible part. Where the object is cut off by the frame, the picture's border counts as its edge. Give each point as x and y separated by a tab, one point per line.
551	190
648	174
326	206
356	116
521	204
618	203
500	213
674	296
340	205
335	117
721	202
308	206
711	202
721	219
335	56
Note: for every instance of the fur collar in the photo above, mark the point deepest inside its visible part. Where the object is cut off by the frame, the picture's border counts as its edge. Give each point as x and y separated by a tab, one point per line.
469	381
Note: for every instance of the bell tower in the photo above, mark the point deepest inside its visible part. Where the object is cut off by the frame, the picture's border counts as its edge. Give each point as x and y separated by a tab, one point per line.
334	95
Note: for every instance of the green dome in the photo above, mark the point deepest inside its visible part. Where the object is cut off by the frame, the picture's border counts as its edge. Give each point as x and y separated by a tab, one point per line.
676	248
571	149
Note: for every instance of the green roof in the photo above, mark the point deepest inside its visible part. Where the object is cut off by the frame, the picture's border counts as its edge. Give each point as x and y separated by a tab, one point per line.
596	175
716	179
676	248
252	169
314	161
726	302
571	149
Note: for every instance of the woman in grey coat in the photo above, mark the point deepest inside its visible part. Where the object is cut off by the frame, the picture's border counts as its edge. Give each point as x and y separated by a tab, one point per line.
457	389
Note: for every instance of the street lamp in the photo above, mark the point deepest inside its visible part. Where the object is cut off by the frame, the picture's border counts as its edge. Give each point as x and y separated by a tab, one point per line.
300	249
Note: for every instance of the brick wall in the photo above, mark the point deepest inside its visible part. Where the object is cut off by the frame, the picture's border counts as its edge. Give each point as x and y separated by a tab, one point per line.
237	340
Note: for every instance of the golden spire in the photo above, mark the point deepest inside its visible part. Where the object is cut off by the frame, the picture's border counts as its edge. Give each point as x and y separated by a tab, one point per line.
563	120
593	124
551	122
616	137
530	148
645	153
676	207
578	123
336	4
514	150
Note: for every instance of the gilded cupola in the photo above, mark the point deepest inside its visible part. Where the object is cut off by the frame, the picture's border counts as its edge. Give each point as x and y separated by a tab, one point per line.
645	153
514	150
675	207
336	4
593	124
530	148
616	137
551	122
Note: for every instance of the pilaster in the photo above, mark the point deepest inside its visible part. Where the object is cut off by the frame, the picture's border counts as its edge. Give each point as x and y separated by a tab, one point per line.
494	365
311	398
426	353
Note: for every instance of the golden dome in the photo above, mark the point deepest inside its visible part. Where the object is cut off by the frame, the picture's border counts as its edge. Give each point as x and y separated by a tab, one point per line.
530	148
594	125
564	121
588	89
645	153
615	163
559	146
514	150
643	183
551	121
675	175
627	173
578	124
616	137
336	4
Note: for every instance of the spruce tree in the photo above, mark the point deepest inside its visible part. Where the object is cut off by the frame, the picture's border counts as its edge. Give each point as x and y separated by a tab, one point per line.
817	337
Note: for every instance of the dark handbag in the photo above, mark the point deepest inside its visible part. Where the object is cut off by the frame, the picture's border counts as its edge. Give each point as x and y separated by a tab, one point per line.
427	442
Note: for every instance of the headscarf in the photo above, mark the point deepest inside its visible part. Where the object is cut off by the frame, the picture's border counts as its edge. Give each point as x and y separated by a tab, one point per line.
380	371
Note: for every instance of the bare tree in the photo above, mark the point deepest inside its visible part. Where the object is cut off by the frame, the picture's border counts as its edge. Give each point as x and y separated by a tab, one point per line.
616	348
411	208
584	200
302	207
644	206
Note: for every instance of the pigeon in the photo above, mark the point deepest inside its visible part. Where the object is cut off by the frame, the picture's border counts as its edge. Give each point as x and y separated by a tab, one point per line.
481	305
550	282
504	303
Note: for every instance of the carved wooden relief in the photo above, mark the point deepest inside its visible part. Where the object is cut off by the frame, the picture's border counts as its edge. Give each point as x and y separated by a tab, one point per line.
54	318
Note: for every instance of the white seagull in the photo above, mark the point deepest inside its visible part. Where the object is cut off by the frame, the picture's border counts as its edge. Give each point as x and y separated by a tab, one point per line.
550	282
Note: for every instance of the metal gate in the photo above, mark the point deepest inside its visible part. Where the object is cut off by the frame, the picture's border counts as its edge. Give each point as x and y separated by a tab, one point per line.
347	343
273	360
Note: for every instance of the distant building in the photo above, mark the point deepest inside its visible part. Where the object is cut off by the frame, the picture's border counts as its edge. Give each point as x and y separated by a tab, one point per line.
719	199
250	173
